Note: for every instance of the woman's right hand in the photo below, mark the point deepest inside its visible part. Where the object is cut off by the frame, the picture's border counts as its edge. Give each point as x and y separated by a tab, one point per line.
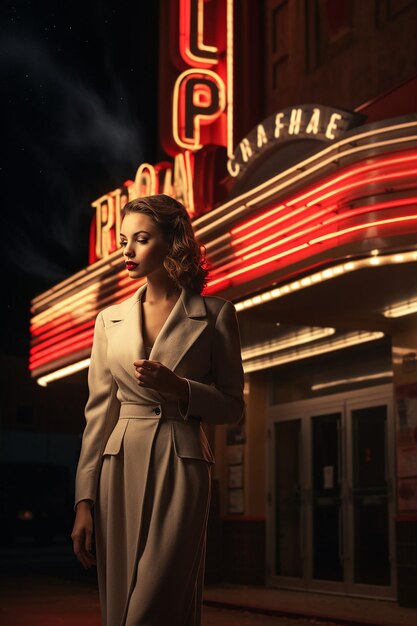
82	534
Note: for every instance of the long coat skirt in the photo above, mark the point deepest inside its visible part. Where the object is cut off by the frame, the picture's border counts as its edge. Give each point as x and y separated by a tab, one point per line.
145	461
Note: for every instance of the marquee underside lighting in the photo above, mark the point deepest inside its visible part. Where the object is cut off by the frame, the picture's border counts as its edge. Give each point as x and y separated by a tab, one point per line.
324	275
63	372
351	381
400	309
340	343
249	355
277	345
55	343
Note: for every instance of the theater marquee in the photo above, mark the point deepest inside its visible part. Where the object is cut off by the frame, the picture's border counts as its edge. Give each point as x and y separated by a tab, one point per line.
265	219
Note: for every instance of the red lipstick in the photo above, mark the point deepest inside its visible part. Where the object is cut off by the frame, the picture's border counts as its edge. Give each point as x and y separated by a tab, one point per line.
130	265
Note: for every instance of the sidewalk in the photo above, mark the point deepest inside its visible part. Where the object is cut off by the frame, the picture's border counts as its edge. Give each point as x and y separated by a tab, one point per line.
46	601
299	604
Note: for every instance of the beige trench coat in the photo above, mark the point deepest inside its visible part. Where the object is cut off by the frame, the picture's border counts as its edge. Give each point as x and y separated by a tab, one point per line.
145	461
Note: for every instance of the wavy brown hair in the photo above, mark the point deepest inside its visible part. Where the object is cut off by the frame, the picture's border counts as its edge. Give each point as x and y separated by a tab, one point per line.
186	261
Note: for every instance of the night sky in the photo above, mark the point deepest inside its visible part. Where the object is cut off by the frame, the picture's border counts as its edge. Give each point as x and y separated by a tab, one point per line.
79	104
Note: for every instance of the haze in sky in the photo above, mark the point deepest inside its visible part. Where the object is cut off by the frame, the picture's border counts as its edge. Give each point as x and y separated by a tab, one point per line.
79	105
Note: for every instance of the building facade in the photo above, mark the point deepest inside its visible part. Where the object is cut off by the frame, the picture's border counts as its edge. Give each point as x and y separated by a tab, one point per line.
289	131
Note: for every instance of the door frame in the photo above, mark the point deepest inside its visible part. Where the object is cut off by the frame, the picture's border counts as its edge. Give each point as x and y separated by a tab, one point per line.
303	410
381	395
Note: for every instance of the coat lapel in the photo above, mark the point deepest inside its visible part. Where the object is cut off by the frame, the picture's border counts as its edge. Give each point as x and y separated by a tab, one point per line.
126	342
182	328
126	330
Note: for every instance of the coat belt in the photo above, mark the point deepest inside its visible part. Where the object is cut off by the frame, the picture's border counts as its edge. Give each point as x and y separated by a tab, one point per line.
163	410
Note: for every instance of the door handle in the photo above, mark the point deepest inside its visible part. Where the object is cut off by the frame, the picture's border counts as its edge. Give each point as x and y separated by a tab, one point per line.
302	504
342	555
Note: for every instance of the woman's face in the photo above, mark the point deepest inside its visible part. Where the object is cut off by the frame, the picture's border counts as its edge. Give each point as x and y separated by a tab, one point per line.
144	247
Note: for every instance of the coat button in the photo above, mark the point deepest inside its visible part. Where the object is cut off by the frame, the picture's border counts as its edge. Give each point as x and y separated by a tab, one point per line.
157	410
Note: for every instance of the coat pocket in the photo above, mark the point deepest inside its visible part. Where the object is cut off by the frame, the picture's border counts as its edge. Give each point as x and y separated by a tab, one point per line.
114	442
190	441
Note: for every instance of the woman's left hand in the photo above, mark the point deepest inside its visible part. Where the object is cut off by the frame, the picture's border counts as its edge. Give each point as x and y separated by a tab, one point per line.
154	375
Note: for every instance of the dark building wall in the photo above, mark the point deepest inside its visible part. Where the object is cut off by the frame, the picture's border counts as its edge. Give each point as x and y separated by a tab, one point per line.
407	562
342	53
40	425
28	407
244	551
40	430
404	343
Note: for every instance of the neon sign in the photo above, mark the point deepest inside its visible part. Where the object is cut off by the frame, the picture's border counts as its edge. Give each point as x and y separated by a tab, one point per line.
202	111
298	223
199	119
199	100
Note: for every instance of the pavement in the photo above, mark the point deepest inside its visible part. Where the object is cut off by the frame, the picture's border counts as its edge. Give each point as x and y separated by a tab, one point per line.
48	601
332	608
48	587
42	600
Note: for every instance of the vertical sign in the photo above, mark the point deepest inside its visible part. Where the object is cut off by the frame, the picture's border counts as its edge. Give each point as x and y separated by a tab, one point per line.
196	116
202	101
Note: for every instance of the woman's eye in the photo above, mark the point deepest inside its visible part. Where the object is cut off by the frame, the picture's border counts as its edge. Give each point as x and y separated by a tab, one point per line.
124	243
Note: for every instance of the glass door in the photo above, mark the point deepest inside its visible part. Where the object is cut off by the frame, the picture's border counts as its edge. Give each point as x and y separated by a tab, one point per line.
331	518
288	561
371	503
326	502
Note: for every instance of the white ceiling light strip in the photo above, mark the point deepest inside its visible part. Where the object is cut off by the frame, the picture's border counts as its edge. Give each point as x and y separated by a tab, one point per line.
289	341
401	308
327	274
351	381
351	339
63	372
250	366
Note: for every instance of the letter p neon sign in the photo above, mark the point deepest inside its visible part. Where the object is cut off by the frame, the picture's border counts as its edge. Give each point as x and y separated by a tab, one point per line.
199	98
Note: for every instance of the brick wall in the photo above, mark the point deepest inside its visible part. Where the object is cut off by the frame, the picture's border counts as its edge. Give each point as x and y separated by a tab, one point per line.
407	562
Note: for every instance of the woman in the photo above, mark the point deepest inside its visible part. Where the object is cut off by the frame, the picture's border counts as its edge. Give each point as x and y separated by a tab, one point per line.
162	361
